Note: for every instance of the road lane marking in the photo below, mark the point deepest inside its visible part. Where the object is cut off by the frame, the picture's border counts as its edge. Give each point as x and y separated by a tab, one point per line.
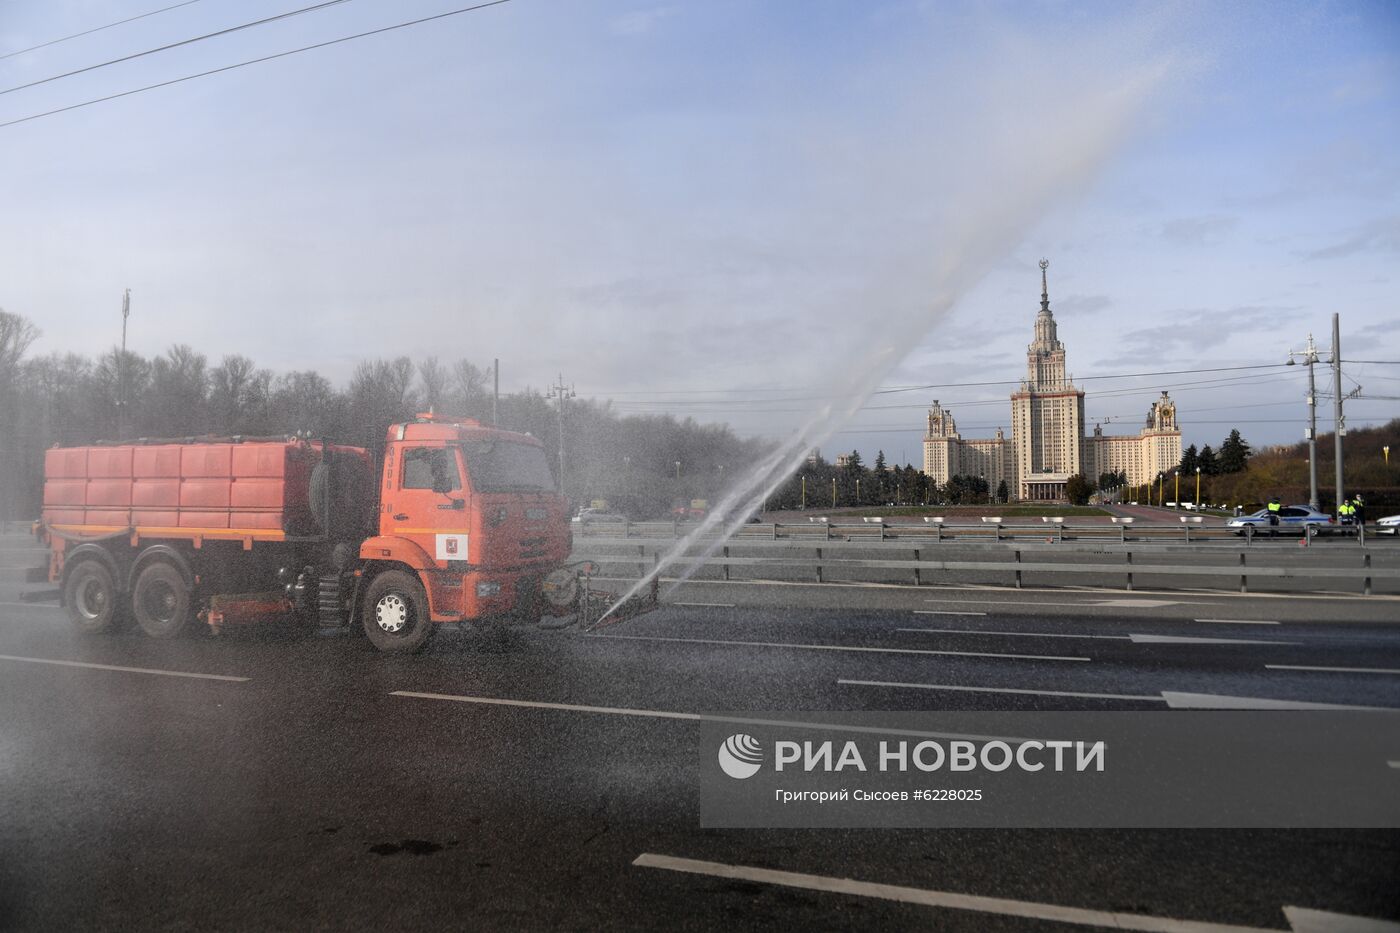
1239	621
709	605
1006	907
781	644
1193	640
1306	920
45	605
1041	693
688	717
128	670
1177	700
1135	639
945	612
1136	603
1339	670
973	631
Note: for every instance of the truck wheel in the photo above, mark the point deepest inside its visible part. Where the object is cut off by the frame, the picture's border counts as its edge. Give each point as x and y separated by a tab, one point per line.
90	596
161	601
396	612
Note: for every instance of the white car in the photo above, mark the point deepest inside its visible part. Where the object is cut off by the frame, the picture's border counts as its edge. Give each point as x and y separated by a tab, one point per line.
1389	525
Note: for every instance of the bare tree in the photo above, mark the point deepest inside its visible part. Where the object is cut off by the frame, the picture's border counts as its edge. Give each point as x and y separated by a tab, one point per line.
434	379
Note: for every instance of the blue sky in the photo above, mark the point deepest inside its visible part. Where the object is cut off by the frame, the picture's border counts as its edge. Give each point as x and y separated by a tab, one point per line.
729	209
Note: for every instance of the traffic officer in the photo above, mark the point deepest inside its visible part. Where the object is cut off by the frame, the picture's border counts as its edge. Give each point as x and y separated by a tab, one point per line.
1346	513
1358	509
1274	507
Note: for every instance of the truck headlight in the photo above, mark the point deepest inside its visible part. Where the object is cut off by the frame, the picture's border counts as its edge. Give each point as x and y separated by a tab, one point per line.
488	588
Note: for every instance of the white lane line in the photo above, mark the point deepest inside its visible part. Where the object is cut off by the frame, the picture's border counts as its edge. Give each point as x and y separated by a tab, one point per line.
674	714
1306	920
128	670
1193	640
945	612
1339	670
782	644
1017	690
709	605
973	631
33	605
1239	621
1005	907
1177	700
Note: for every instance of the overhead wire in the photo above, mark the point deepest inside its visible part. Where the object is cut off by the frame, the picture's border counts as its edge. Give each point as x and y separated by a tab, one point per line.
88	32
175	45
254	61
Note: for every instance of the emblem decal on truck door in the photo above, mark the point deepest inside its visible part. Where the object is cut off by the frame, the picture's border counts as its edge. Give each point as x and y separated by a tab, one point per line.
452	547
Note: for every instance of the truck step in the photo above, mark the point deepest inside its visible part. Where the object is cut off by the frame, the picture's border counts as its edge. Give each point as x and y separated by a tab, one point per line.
330	604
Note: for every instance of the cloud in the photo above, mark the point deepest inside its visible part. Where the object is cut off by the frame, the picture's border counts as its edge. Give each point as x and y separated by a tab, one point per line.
1081	305
1380	235
1205	230
1187	328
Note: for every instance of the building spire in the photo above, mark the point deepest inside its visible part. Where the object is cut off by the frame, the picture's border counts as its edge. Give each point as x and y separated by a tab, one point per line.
1044	288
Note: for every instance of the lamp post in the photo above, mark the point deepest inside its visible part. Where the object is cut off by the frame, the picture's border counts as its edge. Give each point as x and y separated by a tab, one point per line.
1198	487
678	470
1386	450
1177	495
804	491
833	492
857	490
1309	356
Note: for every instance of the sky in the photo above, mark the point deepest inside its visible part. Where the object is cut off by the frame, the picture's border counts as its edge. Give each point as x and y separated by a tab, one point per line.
737	211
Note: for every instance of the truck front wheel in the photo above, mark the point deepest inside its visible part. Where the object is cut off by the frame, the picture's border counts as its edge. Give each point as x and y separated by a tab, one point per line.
160	600
90	596
395	612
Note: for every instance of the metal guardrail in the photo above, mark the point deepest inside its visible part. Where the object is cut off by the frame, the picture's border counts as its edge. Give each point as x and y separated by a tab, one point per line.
641	548
1191	528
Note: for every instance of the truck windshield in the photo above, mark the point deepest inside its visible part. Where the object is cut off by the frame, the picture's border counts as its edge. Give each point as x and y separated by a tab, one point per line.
506	466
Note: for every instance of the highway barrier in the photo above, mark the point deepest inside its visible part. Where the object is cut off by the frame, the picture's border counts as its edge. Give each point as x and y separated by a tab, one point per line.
1000	552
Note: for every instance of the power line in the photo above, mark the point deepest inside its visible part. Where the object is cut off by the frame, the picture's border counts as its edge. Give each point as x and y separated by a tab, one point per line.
88	32
175	45
255	61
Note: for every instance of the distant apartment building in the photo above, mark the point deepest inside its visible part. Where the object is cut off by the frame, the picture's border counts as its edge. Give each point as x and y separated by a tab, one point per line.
1047	444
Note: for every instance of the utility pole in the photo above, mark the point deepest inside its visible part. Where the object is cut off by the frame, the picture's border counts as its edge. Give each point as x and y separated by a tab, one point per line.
1309	355
496	392
563	393
121	370
1337	399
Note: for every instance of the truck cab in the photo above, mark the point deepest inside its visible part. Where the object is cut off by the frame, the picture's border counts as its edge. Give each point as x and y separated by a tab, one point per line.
469	513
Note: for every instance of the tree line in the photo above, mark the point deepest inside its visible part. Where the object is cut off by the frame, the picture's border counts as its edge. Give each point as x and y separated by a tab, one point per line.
641	464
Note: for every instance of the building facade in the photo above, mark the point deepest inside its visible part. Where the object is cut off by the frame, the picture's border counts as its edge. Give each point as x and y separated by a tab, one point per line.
1048	444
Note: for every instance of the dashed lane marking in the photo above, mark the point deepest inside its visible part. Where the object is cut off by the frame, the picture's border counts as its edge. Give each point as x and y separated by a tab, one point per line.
127	670
1030	910
1017	690
945	612
780	644
1338	670
676	714
1239	621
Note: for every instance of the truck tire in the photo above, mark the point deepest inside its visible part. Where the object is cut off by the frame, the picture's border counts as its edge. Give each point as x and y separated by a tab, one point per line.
395	612
90	596
160	601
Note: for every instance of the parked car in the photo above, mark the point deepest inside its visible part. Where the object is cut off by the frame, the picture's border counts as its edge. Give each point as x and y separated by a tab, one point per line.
1389	525
1292	519
598	515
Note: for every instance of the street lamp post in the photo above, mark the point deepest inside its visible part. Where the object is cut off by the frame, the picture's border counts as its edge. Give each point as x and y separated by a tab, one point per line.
1309	356
1386	450
1177	495
678	469
1198	487
804	491
833	492
857	490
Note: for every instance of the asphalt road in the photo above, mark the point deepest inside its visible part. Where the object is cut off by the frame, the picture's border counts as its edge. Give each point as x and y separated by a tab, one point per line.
303	791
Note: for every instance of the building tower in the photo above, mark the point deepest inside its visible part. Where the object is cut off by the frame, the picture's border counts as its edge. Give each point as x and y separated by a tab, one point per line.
1047	412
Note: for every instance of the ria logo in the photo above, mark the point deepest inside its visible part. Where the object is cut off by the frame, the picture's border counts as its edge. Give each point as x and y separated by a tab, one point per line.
741	756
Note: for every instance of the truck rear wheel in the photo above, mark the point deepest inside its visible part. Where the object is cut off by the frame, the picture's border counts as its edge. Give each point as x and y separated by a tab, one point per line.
90	596
395	612
161	601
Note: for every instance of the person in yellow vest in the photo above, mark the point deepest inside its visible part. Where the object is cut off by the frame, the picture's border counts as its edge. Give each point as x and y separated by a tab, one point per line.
1346	513
1358	506
1274	506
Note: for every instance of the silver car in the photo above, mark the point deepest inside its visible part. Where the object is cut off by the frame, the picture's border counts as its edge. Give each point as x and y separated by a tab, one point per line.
1389	525
1292	519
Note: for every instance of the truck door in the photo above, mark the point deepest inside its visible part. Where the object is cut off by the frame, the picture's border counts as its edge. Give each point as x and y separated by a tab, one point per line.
430	506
